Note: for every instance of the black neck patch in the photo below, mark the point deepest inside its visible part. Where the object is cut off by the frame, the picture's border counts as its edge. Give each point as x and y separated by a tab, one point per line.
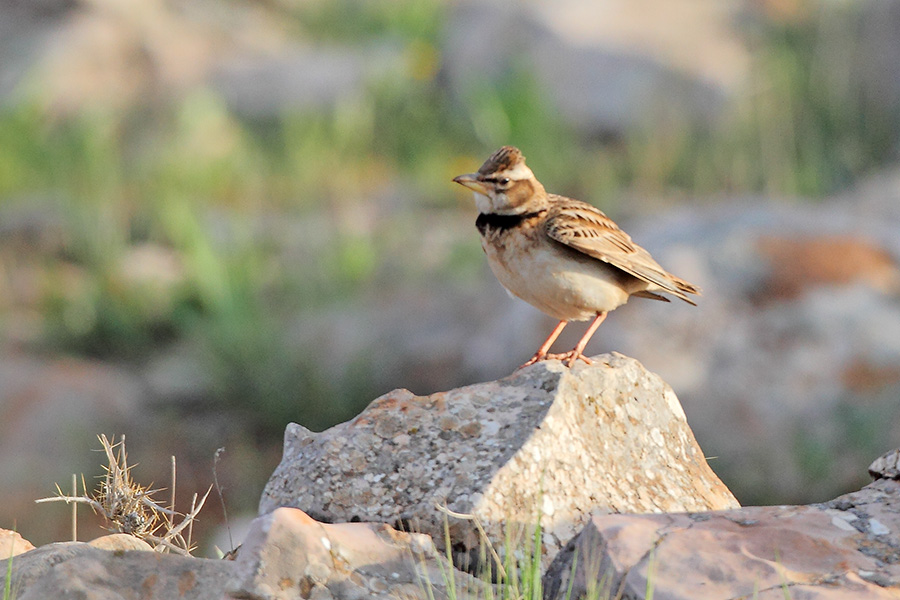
500	223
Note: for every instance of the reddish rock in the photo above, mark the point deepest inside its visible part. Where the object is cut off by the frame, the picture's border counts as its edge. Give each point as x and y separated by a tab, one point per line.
848	548
289	555
798	263
12	544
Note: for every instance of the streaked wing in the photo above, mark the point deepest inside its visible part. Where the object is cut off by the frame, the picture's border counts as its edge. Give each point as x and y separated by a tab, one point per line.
586	229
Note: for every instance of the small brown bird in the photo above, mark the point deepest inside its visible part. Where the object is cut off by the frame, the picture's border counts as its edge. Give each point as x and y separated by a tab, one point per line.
560	255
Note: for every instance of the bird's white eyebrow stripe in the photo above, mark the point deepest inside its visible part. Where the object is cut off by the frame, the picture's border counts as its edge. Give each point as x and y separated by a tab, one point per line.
520	171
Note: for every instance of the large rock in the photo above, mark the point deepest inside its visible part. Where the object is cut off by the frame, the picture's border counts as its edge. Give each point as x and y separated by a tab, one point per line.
804	292
286	556
78	570
848	548
545	442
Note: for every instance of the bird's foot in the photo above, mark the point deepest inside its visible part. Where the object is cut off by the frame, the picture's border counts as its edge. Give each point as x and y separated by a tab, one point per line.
570	358
567	358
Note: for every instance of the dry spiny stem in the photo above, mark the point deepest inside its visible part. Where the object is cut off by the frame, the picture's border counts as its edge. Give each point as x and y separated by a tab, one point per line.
129	507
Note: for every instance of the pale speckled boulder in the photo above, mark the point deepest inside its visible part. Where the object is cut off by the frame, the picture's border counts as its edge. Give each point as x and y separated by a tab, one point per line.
846	549
565	444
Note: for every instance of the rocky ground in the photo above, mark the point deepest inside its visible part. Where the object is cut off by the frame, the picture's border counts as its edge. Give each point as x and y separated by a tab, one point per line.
577	451
788	370
610	437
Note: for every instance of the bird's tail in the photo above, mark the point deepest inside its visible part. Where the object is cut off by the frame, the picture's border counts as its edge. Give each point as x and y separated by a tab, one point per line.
683	288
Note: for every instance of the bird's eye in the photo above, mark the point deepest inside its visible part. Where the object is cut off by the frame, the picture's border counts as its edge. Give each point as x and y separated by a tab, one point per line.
504	181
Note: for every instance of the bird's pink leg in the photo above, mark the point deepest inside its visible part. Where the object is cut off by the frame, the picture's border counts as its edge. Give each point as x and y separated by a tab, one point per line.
570	357
541	354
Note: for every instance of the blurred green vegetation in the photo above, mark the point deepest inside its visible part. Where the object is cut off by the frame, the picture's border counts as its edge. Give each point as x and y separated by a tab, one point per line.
211	194
807	128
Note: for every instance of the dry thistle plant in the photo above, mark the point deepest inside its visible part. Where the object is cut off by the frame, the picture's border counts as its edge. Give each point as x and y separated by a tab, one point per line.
129	507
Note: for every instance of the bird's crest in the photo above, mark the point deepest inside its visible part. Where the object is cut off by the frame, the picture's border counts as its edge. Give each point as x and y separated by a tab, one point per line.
504	159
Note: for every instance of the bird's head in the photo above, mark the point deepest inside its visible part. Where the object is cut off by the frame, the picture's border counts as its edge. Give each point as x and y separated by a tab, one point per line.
504	185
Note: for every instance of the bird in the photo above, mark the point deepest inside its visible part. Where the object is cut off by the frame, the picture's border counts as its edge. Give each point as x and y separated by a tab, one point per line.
563	256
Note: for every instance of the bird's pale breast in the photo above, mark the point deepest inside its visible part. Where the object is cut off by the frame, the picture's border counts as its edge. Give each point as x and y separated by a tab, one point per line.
557	280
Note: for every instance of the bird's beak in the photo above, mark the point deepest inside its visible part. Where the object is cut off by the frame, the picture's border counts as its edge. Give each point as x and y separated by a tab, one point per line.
470	180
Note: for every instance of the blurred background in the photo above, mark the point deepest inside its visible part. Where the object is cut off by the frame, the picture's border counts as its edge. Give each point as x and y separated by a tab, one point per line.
220	216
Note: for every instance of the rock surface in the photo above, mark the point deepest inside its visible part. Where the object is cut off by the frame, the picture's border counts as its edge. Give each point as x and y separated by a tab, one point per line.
120	542
289	555
886	466
848	548
12	544
78	570
614	410
545	442
286	556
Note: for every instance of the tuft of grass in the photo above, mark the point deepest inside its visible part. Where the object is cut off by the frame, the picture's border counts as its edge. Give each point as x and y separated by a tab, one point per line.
7	579
515	573
130	508
651	572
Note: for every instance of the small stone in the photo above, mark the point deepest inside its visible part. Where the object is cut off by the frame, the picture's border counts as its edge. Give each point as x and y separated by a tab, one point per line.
470	429
886	466
547	506
878	528
13	544
320	592
448	423
842	524
378	585
387	428
120	542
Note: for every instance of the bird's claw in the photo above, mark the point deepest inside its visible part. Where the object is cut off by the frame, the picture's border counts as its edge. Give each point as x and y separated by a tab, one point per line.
538	357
